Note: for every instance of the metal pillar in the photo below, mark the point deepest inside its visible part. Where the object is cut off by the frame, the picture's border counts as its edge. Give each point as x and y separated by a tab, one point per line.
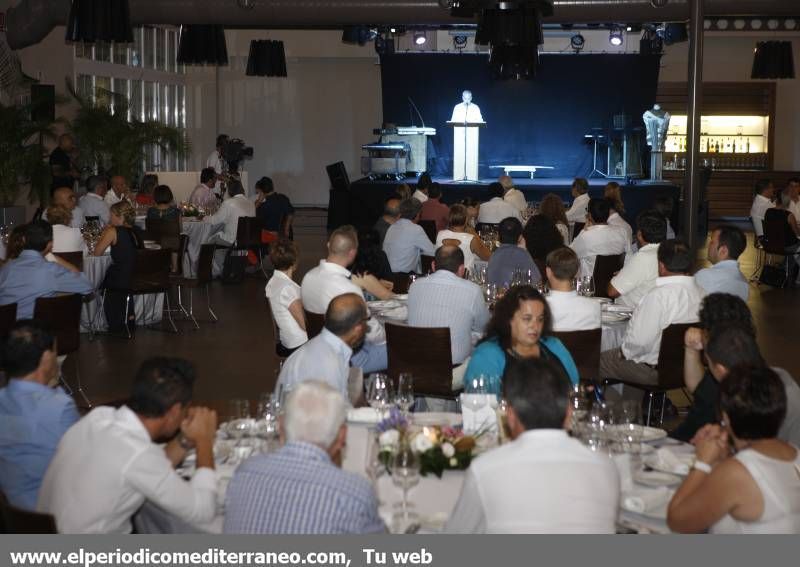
691	185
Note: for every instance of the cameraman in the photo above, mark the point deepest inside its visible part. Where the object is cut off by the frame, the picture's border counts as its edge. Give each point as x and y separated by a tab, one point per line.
217	163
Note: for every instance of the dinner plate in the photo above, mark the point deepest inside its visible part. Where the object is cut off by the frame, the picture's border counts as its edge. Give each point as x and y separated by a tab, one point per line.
655	463
656	478
657	511
601	299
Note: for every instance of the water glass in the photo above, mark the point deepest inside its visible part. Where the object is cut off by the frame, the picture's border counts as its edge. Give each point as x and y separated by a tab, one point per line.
405	474
404	398
373	465
490	293
627	426
477	385
239	414
587	286
379	393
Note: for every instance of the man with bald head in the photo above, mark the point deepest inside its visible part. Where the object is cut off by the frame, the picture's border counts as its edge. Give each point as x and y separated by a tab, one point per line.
66	197
391	212
326	357
513	196
93	203
119	190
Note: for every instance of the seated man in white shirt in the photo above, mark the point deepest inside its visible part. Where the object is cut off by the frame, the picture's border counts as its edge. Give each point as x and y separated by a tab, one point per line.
93	204
405	240
675	298
570	311
726	245
119	190
598	238
229	213
544	481
204	194
497	209
66	197
446	299
639	274
110	463
762	202
513	196
580	191
326	357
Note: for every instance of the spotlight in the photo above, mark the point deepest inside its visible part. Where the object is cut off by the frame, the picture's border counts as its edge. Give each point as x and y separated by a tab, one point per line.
577	42
419	38
459	41
615	36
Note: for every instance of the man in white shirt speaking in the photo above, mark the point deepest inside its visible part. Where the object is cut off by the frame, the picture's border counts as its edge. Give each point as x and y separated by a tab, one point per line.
675	298
544	481
110	462
639	275
726	245
570	311
598	238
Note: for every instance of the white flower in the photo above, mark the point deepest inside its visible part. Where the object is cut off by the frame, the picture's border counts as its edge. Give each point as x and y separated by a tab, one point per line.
421	443
448	450
389	438
453	462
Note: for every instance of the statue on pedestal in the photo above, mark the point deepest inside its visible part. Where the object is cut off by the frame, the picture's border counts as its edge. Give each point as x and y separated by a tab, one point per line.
656	123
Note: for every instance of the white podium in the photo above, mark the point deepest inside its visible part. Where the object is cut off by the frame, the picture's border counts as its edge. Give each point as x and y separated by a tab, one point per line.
466	144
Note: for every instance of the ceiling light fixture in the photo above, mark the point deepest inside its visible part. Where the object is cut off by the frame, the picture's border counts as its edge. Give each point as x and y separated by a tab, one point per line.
419	38
615	36
202	45
577	42
267	59
99	20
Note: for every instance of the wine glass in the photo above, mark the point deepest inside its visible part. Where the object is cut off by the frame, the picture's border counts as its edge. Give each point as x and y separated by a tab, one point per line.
587	285
373	466
627	425
478	387
405	474
379	394
239	413
490	293
404	397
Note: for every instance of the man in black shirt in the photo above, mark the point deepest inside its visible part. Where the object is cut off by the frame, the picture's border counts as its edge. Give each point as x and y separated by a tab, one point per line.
274	209
62	169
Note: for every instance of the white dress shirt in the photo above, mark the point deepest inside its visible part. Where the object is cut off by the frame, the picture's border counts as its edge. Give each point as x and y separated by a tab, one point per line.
674	299
419	196
638	276
215	161
564	231
106	466
724	277
516	199
445	300
93	205
325	358
229	213
794	208
577	212
495	210
464	242
599	240
614	219
542	482
112	198
760	207
572	312
321	284
67	239
403	244
282	291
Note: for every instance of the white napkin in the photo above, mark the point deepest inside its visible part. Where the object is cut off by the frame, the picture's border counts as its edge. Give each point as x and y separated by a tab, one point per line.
615	308
644	501
666	460
376	334
623	463
362	415
398	313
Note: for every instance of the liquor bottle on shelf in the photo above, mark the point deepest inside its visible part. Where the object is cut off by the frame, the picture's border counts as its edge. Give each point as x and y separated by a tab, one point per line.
716	147
747	146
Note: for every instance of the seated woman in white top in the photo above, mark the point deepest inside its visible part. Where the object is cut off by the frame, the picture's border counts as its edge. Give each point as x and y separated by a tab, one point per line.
613	194
458	234
552	207
283	295
65	238
755	490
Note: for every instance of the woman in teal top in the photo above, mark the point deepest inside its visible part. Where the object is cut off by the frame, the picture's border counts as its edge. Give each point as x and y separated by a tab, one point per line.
520	328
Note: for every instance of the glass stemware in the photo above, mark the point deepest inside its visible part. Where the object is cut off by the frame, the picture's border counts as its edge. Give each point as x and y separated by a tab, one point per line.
404	397
239	413
379	393
587	286
374	466
477	385
405	474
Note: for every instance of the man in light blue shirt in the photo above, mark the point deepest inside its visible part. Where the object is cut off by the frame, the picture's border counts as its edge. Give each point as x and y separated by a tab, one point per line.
30	276
93	203
510	256
326	357
726	245
33	416
405	240
446	299
300	489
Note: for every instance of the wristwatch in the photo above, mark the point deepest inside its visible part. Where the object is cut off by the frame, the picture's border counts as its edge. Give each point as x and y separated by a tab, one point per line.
702	467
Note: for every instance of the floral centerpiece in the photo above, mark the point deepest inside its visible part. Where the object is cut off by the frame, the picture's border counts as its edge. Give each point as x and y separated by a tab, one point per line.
438	448
190	210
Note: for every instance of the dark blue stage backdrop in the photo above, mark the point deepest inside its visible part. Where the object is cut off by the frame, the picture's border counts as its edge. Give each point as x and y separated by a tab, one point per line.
536	122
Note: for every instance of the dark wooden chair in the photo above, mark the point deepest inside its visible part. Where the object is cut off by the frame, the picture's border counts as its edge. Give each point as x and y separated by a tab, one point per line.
62	314
424	352
584	346
774	241
401	282
314	323
427	263
203	278
429	227
604	269
14	520
542	265
248	237
8	316
167	232
577	228
74	258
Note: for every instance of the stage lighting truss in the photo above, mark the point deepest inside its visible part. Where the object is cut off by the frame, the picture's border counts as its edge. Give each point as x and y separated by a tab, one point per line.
577	42
616	36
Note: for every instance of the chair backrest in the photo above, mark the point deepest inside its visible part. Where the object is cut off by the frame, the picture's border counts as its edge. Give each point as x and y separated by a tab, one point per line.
205	263
152	267
314	323
427	263
425	353
248	232
670	356
401	282
775	227
74	258
17	521
164	231
429	227
604	269
542	265
183	246
62	314
584	346
577	228
8	316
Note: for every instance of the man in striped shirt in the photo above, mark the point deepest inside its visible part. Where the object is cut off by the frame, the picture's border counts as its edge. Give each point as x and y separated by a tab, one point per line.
300	489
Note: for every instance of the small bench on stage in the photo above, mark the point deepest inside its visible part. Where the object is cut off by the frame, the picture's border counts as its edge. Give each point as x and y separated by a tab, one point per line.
509	169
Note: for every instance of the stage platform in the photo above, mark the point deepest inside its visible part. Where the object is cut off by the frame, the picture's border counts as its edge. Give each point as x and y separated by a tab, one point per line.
367	196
